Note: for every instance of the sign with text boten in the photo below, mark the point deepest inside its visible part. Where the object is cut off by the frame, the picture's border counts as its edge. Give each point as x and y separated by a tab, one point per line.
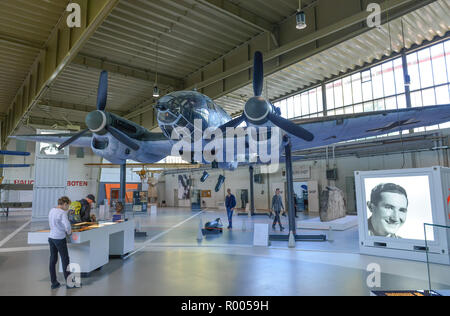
69	183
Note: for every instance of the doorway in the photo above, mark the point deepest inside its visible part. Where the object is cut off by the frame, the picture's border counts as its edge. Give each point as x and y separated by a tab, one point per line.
175	197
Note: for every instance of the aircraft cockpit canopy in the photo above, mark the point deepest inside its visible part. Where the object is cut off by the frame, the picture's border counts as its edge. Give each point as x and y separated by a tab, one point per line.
182	108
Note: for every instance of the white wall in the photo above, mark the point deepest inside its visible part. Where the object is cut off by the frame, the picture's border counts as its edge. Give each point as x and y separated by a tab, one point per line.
77	172
234	180
112	175
239	179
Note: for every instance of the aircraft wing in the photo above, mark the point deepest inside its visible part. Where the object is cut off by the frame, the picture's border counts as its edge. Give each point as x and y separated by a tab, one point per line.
84	141
335	129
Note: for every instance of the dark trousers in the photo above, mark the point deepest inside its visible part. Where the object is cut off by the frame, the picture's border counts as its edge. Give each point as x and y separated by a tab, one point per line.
277	219
58	246
230	217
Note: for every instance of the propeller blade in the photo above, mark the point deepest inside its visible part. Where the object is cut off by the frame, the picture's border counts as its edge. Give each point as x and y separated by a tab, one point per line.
121	137
102	93
233	123
290	127
258	74
72	139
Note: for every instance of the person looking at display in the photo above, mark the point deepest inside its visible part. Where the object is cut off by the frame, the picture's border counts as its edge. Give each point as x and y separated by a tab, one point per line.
230	203
119	208
74	214
119	211
389	207
59	228
86	205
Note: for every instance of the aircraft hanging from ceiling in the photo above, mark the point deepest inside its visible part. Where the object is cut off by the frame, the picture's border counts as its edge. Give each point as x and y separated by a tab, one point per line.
118	140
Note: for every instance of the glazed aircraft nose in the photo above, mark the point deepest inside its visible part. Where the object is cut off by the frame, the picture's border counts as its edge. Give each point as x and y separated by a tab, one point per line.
96	121
161	107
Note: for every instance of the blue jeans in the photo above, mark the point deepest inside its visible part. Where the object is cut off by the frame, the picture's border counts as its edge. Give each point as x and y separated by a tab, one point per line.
58	246
230	217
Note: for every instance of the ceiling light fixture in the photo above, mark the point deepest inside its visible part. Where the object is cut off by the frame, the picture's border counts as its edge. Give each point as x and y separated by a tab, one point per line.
300	17
156	91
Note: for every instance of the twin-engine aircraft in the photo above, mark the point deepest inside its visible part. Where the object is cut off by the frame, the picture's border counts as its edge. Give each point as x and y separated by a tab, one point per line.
118	140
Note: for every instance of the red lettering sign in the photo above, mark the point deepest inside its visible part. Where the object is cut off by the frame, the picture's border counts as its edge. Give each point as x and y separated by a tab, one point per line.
69	183
448	202
77	183
23	181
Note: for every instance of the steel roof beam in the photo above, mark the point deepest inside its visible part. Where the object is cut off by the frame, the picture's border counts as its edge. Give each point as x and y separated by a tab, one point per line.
19	41
129	71
237	12
48	123
305	40
75	108
62	46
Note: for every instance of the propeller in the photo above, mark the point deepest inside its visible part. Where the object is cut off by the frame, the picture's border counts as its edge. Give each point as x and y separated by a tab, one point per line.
258	110
72	139
97	121
258	74
102	92
233	123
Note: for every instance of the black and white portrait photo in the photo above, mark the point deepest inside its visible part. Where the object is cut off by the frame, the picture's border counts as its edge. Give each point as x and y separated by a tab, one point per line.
184	187
397	207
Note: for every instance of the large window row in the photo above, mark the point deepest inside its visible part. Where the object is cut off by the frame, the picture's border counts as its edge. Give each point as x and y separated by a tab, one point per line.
305	105
380	87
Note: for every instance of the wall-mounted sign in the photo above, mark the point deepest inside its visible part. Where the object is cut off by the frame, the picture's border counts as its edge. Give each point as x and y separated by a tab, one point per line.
206	194
77	183
69	183
299	172
23	181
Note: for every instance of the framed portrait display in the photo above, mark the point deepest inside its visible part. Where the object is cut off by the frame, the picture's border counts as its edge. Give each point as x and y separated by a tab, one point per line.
394	205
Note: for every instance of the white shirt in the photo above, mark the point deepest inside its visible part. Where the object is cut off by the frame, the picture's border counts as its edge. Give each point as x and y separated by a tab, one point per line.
59	224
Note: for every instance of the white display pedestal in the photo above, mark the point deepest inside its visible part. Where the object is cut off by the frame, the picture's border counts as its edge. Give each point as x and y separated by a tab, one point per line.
261	235
91	249
153	209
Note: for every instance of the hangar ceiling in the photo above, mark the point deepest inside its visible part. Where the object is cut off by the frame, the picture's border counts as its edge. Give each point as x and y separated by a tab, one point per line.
25	27
418	26
204	44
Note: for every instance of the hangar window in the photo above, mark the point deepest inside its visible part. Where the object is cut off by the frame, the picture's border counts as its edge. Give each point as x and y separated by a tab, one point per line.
380	87
305	105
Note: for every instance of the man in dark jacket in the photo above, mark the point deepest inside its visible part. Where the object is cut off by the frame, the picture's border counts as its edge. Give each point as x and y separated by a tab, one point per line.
277	206
86	205
230	204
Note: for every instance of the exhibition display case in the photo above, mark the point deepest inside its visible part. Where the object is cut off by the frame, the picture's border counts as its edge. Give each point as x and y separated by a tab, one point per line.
394	205
91	244
433	274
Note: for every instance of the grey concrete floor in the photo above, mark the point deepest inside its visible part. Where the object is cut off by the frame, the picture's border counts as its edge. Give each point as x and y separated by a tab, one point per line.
171	261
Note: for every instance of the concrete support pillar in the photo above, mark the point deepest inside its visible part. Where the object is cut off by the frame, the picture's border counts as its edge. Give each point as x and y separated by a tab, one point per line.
252	191
290	185
123	183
